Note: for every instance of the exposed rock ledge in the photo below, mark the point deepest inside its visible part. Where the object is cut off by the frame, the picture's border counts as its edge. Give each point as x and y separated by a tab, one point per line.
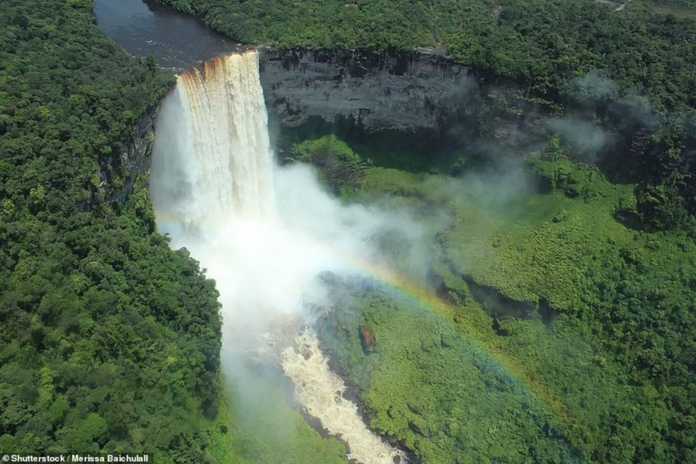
133	160
403	92
419	93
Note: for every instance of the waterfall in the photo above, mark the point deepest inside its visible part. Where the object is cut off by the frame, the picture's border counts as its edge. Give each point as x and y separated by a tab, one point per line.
219	149
265	234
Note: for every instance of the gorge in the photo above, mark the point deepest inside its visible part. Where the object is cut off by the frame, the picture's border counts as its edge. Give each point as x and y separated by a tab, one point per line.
416	111
217	191
362	235
276	244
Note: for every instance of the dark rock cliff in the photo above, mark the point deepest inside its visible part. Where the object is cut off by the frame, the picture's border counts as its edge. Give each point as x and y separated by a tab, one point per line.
405	92
423	98
133	160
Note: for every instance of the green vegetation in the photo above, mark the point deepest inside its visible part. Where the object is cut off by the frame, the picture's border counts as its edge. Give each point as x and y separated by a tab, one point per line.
339	166
568	330
511	38
435	391
678	9
110	341
591	317
261	425
675	3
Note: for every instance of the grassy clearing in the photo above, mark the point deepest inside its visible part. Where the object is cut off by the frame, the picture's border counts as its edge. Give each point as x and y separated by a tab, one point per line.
440	394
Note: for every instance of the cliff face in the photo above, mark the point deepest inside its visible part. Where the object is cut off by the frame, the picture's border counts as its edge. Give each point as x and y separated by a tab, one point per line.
404	92
133	160
418	95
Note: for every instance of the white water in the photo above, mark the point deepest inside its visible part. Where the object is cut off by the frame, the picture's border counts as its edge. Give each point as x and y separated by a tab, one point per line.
263	233
216	142
322	393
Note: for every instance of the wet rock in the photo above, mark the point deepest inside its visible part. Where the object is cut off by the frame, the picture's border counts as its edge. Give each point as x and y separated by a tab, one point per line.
408	91
367	339
418	426
132	161
418	99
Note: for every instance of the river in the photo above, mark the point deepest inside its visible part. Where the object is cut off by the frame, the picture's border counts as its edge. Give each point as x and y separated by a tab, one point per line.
144	28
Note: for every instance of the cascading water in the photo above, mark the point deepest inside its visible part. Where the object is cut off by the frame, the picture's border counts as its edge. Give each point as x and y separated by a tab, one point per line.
265	234
223	146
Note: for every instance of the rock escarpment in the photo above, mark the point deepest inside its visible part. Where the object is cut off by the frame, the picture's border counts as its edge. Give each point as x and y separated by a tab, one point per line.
423	97
377	91
133	159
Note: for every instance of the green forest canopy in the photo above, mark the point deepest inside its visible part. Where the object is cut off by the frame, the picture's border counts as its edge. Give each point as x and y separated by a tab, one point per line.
110	341
619	355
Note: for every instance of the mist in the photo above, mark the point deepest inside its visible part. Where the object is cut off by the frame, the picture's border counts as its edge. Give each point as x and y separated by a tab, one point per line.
268	268
265	234
586	140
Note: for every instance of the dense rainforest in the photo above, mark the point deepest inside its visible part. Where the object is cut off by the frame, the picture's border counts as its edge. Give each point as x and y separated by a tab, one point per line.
109	341
583	285
596	314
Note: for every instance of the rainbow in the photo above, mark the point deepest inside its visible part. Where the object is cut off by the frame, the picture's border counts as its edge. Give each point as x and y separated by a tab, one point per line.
425	297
